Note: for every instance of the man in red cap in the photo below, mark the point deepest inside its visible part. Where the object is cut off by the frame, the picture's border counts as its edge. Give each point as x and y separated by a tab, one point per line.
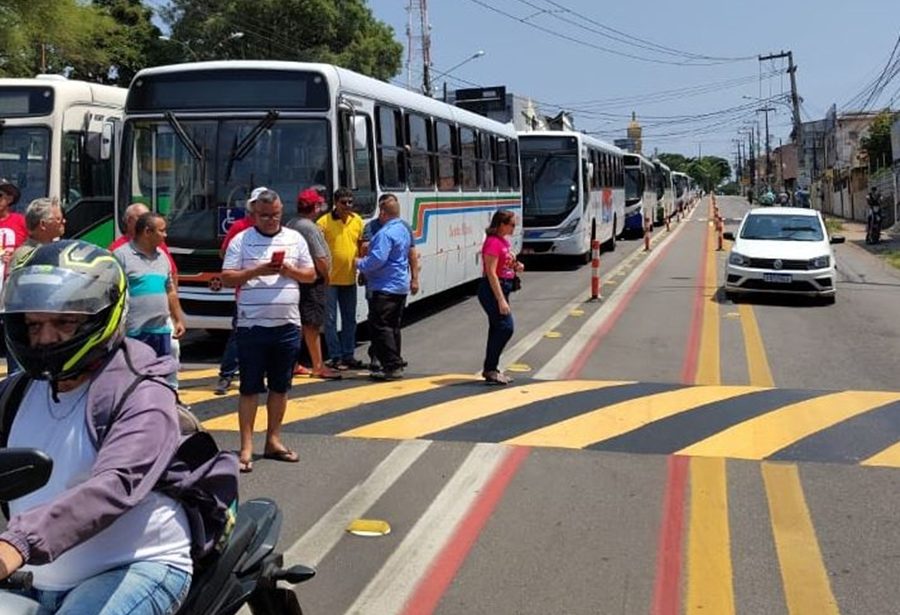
313	296
13	231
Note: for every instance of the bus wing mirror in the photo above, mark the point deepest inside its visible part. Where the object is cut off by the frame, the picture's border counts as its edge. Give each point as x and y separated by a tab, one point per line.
348	128
106	141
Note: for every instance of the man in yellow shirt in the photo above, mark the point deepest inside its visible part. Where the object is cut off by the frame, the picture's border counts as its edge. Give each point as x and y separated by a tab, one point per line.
343	231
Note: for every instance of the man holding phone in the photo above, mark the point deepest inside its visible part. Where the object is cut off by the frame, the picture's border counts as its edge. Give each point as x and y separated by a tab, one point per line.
267	262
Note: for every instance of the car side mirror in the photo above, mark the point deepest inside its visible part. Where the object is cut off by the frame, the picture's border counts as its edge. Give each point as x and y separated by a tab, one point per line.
838	239
728	235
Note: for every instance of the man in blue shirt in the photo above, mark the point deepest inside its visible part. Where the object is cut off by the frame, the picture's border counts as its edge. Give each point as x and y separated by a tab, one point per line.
387	271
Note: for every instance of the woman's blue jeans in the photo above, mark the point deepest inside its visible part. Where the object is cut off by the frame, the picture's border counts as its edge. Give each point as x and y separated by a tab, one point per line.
142	588
500	327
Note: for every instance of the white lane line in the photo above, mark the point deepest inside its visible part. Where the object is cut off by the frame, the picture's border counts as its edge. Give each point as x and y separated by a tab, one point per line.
388	592
561	361
320	539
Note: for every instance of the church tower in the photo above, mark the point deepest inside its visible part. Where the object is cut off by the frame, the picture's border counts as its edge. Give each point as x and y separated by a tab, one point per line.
634	133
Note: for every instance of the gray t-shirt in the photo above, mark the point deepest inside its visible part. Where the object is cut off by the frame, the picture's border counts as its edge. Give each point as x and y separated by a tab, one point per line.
314	237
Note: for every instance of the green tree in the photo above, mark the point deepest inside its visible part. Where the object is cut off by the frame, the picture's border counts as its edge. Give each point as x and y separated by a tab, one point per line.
877	143
709	171
676	162
342	32
105	41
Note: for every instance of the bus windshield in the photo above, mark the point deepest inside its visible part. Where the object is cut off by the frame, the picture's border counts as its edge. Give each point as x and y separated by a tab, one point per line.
549	186
25	160
200	172
633	189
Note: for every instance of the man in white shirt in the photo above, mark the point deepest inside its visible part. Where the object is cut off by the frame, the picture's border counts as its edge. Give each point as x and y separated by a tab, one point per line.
267	262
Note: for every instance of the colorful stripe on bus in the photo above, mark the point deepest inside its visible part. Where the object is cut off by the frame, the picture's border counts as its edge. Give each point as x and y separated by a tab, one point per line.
426	207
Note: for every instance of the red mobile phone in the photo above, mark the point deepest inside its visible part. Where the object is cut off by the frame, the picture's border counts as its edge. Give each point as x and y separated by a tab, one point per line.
278	257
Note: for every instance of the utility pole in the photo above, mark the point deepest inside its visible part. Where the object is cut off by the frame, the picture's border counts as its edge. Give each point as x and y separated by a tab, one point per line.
768	160
795	98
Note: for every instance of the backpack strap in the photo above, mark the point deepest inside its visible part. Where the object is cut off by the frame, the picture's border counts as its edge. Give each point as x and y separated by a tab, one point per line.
10	399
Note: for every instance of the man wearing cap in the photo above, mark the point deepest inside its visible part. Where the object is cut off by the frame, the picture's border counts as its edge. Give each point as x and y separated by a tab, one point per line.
228	369
313	297
13	231
267	262
343	230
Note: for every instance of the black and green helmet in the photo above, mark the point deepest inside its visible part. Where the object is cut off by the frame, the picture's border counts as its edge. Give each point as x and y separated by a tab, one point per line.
65	277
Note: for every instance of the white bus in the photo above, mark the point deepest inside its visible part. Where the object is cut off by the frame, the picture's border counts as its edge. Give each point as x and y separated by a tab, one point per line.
56	139
573	191
640	193
682	185
665	193
197	138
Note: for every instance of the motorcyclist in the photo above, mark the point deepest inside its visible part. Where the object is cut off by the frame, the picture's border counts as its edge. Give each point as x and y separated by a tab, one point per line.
873	217
101	532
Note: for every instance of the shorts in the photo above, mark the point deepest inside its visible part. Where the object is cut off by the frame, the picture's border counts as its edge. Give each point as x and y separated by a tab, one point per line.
266	356
161	343
313	299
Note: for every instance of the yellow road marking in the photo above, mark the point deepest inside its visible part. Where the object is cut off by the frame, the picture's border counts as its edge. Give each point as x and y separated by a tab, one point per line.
708	368
312	406
198	394
757	362
198	374
889	457
614	420
761	436
803	573
710	578
458	411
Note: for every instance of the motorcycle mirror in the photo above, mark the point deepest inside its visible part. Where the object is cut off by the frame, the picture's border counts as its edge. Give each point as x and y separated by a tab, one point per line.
22	471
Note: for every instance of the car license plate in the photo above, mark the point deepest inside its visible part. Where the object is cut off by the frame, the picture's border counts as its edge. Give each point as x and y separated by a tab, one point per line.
778	278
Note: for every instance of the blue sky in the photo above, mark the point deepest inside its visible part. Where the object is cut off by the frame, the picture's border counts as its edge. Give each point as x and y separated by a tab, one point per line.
838	46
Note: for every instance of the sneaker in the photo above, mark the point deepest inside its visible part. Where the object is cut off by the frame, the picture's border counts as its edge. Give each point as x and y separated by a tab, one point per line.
389	374
352	363
496	378
222	385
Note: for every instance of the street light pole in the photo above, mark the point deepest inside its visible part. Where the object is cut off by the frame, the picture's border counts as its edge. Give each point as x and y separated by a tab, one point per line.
434	77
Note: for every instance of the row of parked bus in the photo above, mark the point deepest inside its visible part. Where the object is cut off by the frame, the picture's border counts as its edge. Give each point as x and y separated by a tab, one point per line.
192	140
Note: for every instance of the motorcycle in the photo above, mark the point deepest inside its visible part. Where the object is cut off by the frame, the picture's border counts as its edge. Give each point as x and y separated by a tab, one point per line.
874	220
246	572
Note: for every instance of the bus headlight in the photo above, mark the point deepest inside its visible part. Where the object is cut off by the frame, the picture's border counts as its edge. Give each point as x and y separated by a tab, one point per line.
569	228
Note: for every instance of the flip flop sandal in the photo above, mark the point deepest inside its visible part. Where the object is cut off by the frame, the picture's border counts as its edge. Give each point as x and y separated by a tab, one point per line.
245	466
286	455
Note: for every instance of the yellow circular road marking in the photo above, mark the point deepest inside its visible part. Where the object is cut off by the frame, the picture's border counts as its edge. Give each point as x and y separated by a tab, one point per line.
732	315
576	312
518	367
553	334
610	283
369	527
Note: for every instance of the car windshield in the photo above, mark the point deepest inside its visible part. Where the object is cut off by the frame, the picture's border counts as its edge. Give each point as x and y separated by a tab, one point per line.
782	228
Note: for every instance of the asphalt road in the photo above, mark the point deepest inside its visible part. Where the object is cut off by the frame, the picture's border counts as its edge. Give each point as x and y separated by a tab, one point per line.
663	450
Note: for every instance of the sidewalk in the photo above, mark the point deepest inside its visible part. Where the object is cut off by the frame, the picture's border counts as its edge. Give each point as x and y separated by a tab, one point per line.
855	232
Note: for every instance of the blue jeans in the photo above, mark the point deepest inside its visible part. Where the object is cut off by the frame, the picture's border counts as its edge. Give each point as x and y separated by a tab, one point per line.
143	588
343	297
500	327
229	367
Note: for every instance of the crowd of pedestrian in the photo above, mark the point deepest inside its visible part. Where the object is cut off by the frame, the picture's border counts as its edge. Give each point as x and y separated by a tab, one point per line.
296	280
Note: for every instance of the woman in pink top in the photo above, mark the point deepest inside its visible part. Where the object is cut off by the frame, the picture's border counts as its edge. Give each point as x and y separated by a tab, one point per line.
500	267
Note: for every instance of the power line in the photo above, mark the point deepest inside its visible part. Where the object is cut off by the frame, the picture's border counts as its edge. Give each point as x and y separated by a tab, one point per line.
582	42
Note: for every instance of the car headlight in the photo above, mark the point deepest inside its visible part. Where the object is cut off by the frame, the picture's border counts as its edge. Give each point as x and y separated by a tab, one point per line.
820	262
738	259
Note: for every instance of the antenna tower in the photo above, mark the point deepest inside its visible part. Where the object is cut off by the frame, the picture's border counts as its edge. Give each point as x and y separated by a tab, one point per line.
418	47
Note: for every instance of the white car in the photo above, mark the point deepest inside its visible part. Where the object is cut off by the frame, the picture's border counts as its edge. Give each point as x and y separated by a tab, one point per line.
781	250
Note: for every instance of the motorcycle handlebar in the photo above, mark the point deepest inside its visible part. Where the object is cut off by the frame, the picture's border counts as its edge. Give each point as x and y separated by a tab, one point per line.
17	580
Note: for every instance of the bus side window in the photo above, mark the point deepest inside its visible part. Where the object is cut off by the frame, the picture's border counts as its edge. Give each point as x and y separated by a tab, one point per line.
448	155
514	165
364	196
486	155
391	154
421	146
501	164
469	162
72	154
